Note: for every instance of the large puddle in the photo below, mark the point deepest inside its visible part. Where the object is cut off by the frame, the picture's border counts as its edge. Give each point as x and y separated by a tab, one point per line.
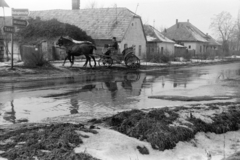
113	91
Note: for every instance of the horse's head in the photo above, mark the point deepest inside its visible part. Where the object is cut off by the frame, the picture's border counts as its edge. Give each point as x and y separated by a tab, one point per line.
60	41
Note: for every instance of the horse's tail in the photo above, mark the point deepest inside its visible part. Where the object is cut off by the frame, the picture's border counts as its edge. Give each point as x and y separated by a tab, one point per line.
93	49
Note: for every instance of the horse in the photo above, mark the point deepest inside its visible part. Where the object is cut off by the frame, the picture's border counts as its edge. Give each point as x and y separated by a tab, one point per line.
77	49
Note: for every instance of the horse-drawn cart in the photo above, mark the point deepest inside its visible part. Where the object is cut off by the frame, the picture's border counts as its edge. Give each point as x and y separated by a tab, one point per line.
127	57
78	48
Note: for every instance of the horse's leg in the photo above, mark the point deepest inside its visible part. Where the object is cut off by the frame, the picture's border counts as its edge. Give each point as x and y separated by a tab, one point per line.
90	61
65	60
72	62
94	61
85	64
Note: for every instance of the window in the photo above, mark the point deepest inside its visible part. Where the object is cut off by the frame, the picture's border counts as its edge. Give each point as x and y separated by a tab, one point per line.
162	50
139	50
189	46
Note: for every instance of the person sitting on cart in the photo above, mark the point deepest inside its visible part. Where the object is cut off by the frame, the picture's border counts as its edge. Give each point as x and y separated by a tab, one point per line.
114	45
114	51
106	50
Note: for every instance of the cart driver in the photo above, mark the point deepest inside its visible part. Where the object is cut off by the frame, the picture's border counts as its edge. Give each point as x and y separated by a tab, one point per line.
106	51
114	51
114	45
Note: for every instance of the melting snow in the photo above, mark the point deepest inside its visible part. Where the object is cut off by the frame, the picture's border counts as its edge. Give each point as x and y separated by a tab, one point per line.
111	145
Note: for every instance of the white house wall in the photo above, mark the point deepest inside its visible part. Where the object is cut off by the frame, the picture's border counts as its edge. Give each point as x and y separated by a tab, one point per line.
135	36
167	48
196	46
16	51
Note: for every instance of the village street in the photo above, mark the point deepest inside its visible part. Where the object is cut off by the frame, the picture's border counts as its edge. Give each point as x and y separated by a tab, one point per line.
100	93
109	91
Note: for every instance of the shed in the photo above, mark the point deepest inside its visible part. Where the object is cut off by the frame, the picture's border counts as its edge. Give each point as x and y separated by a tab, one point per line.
157	43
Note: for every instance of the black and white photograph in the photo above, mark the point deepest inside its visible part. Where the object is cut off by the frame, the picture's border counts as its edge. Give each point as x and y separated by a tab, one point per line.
119	79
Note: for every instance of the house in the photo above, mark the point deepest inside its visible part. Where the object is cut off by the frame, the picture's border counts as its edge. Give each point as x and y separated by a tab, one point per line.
5	41
157	42
186	34
102	24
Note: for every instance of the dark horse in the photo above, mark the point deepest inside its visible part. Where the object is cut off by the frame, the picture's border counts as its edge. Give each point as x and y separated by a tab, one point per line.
77	49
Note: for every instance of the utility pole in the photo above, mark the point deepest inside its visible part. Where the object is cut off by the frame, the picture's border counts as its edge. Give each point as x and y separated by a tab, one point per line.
12	47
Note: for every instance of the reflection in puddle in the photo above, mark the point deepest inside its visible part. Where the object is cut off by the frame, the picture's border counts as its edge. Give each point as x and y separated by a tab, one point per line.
108	92
10	115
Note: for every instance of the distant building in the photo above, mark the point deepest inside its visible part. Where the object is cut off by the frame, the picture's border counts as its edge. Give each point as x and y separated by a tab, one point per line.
186	34
102	24
157	43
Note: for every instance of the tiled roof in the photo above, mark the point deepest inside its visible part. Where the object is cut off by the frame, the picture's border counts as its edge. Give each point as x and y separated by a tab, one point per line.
154	35
100	23
185	31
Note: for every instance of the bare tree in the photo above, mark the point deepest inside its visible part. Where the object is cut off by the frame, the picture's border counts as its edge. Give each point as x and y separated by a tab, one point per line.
223	25
238	32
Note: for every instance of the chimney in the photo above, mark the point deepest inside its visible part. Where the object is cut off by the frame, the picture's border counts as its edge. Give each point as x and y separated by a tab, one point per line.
165	30
177	23
188	20
75	4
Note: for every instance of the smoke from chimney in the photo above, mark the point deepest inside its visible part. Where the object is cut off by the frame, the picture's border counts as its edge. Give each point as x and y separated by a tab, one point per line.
75	4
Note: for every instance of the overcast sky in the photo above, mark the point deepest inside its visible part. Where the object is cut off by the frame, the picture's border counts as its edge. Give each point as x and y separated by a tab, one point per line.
160	13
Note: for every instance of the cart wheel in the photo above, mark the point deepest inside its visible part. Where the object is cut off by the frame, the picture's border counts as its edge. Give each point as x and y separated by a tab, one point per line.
107	62
132	62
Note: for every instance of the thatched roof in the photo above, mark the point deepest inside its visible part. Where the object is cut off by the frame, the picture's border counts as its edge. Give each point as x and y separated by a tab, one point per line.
153	35
99	23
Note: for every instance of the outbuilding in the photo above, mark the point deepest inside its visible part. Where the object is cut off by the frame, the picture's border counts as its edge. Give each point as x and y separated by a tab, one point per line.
157	43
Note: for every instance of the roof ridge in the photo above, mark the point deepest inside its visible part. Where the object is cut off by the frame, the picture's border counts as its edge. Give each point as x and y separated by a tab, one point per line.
104	8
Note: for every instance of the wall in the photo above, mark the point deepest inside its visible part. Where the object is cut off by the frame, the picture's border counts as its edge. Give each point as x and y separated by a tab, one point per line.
155	48
135	36
16	50
167	48
199	47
